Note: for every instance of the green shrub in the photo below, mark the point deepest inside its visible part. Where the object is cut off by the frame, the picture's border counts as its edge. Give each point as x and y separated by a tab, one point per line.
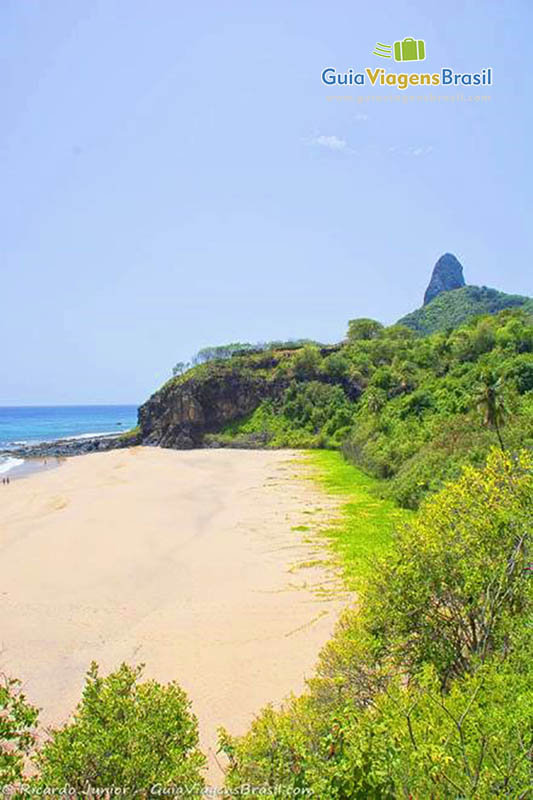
472	742
336	366
307	362
18	720
520	371
127	734
459	572
310	414
364	329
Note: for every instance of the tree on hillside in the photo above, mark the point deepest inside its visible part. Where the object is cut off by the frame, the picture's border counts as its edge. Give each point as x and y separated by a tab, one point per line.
375	399
490	401
180	368
364	329
307	362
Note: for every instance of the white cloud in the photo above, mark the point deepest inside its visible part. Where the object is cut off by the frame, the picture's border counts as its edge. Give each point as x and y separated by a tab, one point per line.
412	150
361	117
422	151
332	142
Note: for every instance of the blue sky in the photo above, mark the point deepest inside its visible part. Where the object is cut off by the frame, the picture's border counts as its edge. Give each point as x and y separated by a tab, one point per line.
174	176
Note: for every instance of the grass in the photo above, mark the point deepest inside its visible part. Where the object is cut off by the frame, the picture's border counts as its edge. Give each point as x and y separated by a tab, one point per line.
363	531
266	421
131	433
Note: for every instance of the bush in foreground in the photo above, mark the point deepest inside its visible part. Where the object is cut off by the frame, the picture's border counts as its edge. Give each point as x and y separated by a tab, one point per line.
17	731
125	734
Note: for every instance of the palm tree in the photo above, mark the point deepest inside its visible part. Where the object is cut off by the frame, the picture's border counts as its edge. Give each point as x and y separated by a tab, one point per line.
490	401
375	400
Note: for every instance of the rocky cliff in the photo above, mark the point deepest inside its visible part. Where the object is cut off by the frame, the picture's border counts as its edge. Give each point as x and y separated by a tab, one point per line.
209	397
185	409
447	275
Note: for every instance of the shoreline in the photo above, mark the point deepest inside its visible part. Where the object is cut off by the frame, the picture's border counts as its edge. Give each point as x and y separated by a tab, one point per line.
32	466
202	564
36	457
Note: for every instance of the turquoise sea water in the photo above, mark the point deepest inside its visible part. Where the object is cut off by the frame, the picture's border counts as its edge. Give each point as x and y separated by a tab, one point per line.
30	424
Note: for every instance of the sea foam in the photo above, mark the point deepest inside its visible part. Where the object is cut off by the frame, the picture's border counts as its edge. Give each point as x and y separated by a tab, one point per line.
9	463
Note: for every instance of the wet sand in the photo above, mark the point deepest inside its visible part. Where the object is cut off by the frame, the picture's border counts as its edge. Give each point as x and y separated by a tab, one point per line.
185	561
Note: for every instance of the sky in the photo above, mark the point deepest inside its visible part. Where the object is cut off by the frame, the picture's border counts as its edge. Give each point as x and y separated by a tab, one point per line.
176	175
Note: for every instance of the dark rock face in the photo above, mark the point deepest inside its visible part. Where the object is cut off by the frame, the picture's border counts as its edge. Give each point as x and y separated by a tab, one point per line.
447	275
180	413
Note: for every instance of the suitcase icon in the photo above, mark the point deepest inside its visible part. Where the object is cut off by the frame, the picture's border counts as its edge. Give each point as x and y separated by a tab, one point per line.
410	50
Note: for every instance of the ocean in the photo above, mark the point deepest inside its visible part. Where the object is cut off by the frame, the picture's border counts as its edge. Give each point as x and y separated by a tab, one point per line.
31	424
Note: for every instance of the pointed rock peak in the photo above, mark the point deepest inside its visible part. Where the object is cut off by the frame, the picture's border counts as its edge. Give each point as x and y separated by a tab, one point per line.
447	275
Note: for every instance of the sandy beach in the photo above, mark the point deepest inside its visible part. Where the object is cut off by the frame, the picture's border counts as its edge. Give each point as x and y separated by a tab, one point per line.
185	561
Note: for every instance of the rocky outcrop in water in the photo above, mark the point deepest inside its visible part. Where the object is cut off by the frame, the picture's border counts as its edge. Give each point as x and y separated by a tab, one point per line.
75	447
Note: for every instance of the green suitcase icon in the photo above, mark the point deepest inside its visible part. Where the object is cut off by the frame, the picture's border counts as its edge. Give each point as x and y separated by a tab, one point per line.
410	50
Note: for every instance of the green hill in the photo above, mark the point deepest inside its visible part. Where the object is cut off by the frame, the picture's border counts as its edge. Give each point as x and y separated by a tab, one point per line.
451	308
403	406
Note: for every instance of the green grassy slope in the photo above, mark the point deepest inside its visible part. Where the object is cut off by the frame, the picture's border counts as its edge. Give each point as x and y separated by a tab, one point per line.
363	531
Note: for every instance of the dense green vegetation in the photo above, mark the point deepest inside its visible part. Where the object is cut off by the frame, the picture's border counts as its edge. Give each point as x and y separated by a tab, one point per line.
450	309
308	414
365	527
224	351
126	734
427	691
403	407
